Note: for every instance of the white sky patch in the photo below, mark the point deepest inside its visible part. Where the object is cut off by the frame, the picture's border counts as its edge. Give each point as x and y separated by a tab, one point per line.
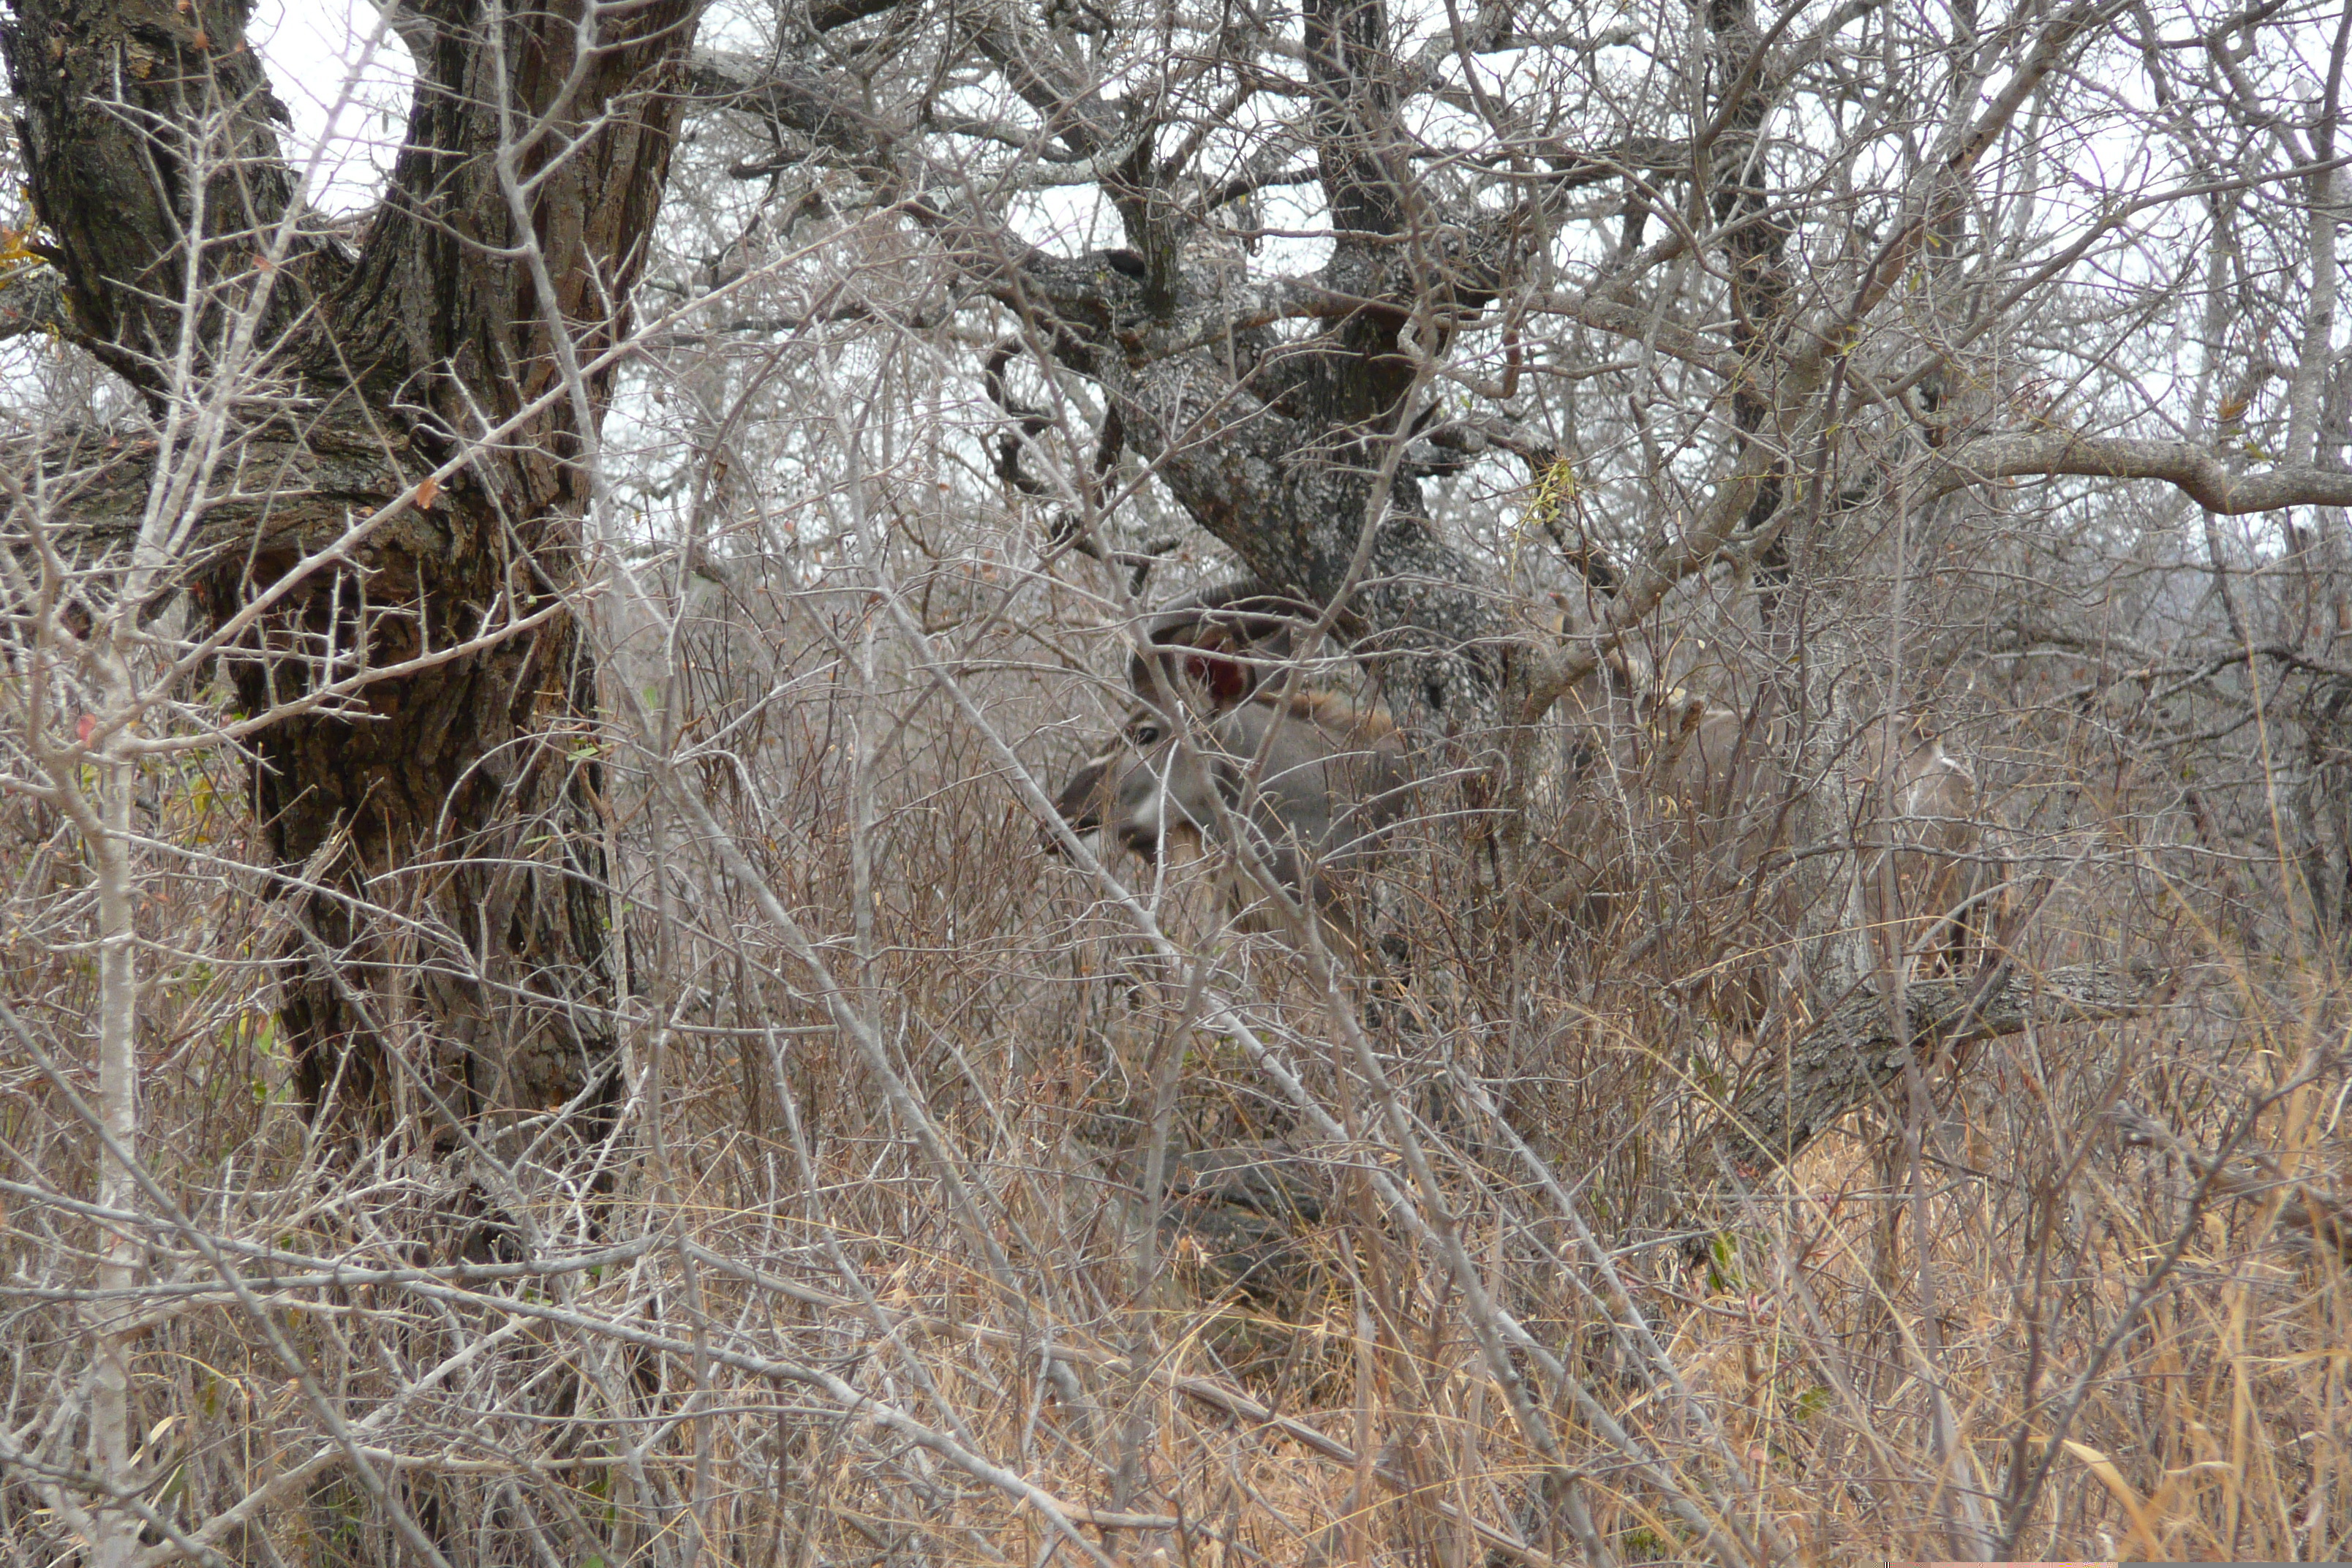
345	77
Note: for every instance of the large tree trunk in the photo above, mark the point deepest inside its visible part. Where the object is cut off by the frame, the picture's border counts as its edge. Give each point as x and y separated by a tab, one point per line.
1756	233
1288	453
436	832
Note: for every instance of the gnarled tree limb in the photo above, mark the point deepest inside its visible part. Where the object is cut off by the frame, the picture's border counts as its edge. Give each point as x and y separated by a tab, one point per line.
1853	1056
2204	477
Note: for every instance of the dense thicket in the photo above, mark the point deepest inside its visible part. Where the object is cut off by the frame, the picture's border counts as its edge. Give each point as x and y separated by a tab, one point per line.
551	1016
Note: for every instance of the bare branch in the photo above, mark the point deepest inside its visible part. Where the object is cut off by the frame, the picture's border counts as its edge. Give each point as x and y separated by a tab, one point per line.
2204	477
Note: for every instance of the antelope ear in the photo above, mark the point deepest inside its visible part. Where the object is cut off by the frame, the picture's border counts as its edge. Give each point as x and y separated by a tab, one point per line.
1081	800
1226	680
1220	640
1621	671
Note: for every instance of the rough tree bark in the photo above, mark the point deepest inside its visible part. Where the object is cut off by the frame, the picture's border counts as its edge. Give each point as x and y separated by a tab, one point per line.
1755	235
1277	447
1854	1054
1280	452
461	796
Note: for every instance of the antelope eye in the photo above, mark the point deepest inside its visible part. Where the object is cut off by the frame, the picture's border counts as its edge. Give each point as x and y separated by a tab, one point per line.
1146	734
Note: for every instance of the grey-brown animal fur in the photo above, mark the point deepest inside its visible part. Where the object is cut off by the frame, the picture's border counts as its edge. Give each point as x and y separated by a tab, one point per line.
1666	796
1313	781
1935	868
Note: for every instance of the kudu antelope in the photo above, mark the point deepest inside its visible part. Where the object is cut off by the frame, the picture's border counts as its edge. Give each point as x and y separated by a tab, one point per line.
1933	868
1307	781
1672	805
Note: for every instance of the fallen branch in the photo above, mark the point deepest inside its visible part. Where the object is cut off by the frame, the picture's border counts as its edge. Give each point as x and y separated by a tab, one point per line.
1851	1057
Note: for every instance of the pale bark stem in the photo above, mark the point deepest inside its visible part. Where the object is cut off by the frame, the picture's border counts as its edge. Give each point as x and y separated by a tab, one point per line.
118	1104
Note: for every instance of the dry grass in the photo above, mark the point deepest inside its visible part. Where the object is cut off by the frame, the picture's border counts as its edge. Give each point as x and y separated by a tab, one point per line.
799	1333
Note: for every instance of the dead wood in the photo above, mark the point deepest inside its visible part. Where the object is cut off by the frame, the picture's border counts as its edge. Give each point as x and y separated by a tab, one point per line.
1853	1056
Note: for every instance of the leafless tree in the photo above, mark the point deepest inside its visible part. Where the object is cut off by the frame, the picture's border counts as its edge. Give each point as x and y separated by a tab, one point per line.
641	1095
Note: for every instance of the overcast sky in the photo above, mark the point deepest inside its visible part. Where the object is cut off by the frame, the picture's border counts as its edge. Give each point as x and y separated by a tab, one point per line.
344	76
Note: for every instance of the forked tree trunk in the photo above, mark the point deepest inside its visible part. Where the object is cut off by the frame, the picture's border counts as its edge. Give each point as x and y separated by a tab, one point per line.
437	833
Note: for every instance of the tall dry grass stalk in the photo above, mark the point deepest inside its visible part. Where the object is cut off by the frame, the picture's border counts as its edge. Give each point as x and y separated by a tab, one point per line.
923	1235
